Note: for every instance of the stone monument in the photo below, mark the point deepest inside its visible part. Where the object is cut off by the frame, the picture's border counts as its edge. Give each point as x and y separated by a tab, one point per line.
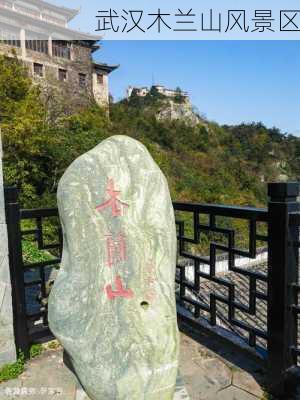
112	306
7	341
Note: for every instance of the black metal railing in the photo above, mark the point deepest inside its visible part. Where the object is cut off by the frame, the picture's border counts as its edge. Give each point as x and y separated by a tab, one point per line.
253	304
283	275
208	289
294	224
30	280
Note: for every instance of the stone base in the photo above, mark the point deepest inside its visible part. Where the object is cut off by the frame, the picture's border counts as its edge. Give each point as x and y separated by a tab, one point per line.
180	393
9	355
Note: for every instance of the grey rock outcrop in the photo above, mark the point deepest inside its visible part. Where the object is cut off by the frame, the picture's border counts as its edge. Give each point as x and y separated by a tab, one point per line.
179	111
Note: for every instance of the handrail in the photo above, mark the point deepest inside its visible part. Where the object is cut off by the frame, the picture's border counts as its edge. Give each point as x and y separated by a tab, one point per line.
260	214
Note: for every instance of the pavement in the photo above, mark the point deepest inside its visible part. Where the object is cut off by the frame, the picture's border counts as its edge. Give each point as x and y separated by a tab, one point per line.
209	370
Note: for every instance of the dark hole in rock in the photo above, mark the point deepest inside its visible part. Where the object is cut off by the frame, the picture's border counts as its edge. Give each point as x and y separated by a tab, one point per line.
145	305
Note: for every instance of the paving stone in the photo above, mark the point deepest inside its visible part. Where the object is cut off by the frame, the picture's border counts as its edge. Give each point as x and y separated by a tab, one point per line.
217	372
45	377
180	391
10	389
196	380
205	373
202	377
233	393
191	349
198	386
247	382
188	350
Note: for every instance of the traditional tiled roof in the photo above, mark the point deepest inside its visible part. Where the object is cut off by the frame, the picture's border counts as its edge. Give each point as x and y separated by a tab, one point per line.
242	289
105	67
43	22
241	283
69	13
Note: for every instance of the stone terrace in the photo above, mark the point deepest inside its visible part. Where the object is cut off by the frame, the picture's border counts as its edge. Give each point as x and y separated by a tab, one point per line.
217	373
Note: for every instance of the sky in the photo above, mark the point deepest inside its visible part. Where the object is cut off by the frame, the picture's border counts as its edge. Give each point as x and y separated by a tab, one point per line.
229	81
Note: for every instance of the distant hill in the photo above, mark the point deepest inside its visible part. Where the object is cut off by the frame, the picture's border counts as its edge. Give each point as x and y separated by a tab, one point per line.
208	162
174	107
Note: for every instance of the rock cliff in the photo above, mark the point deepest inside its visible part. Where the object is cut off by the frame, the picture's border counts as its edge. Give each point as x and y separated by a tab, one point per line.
179	111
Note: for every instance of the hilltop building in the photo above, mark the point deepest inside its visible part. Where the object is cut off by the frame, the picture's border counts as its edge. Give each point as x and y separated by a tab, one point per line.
175	105
143	91
39	34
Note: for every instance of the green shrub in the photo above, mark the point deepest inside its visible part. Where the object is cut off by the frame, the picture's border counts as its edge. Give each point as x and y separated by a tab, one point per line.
36	350
12	371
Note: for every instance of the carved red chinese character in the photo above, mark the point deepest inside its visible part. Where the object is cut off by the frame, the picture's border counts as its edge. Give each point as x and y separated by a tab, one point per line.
116	249
119	292
113	202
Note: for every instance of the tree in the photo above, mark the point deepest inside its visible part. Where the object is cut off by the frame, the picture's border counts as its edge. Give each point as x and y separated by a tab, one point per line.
207	163
179	98
155	94
24	130
14	86
135	99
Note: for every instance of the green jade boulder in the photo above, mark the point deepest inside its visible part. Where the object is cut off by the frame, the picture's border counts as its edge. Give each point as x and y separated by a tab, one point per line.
112	306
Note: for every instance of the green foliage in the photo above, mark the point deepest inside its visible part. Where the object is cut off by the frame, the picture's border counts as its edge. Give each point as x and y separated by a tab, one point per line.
25	131
12	371
36	350
153	100
53	345
179	98
154	94
14	86
31	254
205	163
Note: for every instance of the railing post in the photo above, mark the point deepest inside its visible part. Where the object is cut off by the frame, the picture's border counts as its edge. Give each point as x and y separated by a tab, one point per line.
282	267
12	210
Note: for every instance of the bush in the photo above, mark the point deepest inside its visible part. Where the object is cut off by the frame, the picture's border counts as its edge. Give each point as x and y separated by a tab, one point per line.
12	371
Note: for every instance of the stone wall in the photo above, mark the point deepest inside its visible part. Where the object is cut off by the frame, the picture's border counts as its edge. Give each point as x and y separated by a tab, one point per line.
222	263
101	92
7	343
9	50
80	63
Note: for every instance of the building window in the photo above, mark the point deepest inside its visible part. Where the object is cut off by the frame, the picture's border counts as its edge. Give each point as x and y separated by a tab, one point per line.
40	46
38	69
62	75
82	80
61	49
100	79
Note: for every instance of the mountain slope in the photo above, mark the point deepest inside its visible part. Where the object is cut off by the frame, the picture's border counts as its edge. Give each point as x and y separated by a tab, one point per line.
203	162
